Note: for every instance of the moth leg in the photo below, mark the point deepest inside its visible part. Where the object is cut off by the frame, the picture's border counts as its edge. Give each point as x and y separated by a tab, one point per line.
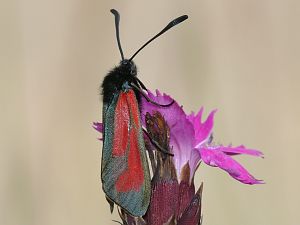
156	144
148	99
117	222
141	84
111	204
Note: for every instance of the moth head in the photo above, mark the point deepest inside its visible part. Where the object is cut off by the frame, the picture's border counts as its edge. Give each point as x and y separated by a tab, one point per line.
128	66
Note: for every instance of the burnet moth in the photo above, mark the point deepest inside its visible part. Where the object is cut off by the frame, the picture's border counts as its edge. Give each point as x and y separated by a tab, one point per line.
124	170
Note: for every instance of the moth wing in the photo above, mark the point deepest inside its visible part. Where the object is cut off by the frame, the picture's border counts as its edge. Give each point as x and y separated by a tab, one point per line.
125	172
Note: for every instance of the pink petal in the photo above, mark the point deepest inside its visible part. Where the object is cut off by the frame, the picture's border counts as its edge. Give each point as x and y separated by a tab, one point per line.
194	162
202	130
99	127
225	162
170	113
196	119
228	150
181	141
182	131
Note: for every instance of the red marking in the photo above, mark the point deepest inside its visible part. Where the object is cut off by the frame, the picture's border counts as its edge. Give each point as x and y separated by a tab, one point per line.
134	109
133	177
121	126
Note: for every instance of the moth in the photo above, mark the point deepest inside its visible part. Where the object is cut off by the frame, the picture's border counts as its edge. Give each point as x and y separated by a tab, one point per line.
124	169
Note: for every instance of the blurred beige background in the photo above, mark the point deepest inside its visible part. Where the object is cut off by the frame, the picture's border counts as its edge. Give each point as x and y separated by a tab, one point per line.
241	57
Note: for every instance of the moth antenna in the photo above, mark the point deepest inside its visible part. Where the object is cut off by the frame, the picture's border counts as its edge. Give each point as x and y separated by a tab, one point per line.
169	26
117	22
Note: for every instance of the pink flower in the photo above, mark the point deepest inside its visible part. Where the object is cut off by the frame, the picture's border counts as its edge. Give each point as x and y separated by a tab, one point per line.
191	140
173	196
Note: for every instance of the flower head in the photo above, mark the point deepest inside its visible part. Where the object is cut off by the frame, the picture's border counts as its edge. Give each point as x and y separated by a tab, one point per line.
191	140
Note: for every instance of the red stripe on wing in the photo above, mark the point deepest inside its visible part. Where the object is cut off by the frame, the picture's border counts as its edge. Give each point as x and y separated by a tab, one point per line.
121	125
133	177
